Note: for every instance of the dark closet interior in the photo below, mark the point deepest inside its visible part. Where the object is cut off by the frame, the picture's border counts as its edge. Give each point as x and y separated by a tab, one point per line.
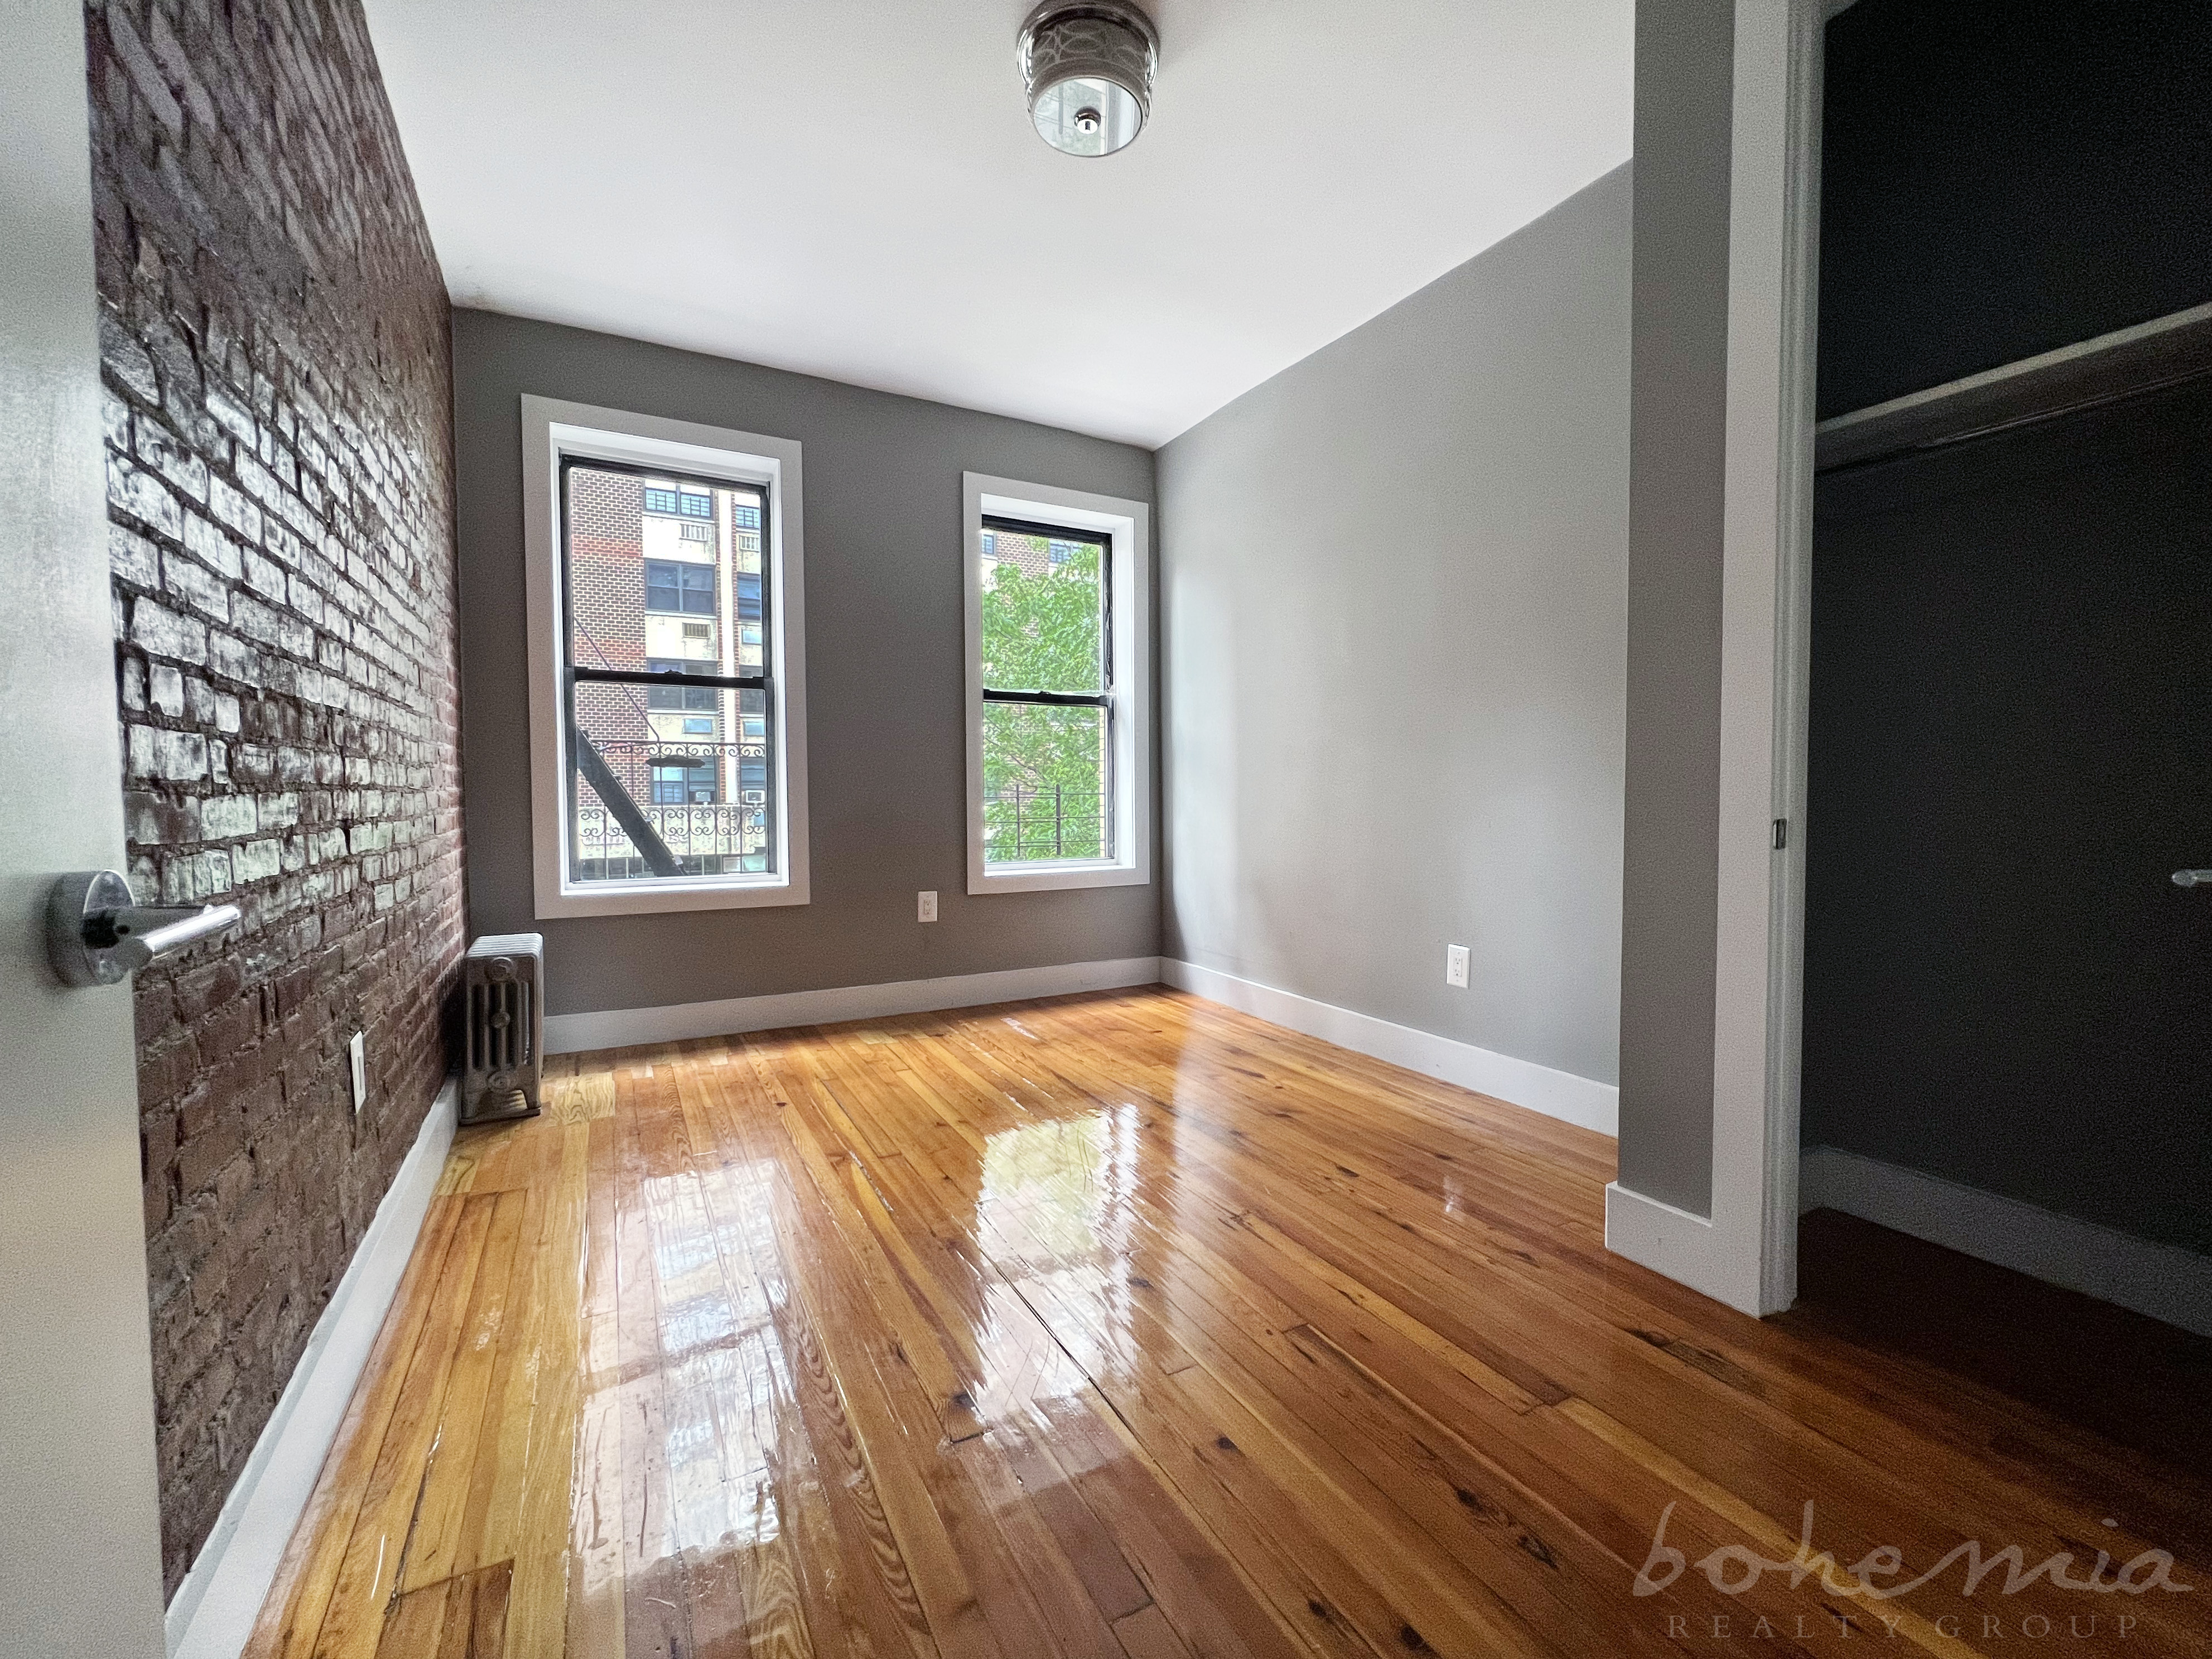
2011	649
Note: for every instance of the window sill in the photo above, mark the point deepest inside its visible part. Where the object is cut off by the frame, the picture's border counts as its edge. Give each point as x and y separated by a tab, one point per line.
654	897
1045	878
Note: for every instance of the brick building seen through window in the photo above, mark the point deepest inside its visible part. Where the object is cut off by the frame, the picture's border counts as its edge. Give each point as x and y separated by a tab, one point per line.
666	575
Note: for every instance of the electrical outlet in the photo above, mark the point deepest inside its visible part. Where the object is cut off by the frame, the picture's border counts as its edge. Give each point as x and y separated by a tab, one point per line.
1455	965
357	1061
924	907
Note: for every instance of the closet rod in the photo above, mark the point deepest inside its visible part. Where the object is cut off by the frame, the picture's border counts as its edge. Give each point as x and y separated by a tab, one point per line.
2158	353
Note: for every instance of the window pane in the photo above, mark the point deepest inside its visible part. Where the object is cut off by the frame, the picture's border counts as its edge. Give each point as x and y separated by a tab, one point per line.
1043	612
698	781
678	697
661	581
678	781
655	567
680	499
749	585
679	587
1045	784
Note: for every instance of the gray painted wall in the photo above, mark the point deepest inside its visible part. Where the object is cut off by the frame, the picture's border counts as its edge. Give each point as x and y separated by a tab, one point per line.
885	679
1677	447
1394	589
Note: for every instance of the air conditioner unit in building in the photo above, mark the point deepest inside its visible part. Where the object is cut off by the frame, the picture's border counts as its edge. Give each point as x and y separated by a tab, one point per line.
503	985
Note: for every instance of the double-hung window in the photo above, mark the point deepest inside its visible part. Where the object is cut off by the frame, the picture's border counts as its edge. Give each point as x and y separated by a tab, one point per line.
1059	749
668	715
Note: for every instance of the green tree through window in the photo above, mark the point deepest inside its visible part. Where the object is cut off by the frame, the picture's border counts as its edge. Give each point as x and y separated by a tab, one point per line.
1045	776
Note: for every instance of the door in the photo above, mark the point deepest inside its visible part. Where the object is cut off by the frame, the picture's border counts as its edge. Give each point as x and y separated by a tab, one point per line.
80	1573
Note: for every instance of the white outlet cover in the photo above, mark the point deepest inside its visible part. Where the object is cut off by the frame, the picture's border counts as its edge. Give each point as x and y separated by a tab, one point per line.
356	1055
1455	965
924	906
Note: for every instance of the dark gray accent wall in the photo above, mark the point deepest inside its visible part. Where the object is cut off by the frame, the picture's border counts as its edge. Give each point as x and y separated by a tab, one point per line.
1677	450
2012	637
1393	604
885	679
1937	264
2012	661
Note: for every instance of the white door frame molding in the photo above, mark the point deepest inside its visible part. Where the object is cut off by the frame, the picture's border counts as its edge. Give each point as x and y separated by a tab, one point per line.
1745	1253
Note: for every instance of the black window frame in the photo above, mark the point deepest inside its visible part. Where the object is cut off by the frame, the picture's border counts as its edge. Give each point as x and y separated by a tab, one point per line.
574	674
1104	699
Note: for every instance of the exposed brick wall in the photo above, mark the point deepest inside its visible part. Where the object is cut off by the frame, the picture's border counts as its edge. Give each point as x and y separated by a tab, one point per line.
277	343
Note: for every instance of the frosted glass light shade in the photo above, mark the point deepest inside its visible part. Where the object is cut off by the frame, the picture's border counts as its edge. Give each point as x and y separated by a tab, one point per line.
1088	66
1086	117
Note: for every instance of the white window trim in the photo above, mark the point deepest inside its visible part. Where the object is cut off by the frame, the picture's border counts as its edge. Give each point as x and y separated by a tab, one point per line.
1129	523
552	429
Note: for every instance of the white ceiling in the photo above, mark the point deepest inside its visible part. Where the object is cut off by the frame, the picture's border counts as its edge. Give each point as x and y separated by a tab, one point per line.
851	188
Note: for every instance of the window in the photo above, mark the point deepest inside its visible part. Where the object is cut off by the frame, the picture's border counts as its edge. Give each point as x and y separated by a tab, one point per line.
1048	696
680	499
680	782
670	771
618	833
682	696
1059	745
678	587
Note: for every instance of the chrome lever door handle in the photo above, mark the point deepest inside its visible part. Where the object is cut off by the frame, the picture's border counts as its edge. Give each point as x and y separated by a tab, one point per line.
97	932
2192	878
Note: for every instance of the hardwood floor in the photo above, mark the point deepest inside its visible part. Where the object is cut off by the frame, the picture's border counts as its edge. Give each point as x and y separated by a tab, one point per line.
1960	1323
1128	1327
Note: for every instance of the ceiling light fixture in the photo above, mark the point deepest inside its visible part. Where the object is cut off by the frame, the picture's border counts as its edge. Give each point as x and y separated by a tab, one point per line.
1088	66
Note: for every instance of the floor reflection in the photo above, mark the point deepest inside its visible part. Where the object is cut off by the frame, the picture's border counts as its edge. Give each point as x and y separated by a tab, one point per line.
721	1371
1052	1213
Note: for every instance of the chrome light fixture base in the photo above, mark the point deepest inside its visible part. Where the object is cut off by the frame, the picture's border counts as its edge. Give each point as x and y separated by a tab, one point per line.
1088	66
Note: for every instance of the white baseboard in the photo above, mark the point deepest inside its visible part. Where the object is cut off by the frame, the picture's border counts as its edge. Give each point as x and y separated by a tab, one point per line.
213	1611
1688	1248
619	1028
2161	1280
1518	1082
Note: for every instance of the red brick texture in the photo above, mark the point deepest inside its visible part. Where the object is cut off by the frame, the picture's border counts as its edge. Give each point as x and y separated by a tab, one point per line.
606	590
275	340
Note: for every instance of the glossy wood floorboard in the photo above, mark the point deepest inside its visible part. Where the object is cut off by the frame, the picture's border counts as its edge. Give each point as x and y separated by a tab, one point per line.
1130	1328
